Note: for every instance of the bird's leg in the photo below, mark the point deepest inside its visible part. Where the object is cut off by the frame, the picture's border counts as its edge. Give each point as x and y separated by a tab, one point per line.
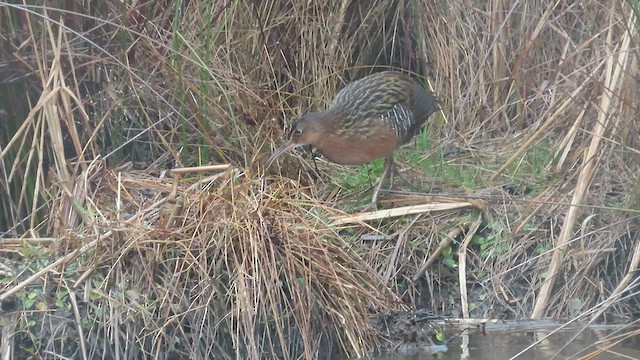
388	168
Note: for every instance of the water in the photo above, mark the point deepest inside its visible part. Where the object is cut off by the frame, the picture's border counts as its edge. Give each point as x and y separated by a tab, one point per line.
603	343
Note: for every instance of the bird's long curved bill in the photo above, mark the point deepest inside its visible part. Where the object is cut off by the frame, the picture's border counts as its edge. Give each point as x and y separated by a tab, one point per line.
285	147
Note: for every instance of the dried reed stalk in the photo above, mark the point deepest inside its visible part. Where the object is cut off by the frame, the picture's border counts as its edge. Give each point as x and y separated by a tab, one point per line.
617	61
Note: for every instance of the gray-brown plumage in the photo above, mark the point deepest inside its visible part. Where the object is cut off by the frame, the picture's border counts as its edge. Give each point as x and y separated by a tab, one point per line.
369	119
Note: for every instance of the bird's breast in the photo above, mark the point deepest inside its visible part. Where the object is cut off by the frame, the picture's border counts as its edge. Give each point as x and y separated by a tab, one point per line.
359	148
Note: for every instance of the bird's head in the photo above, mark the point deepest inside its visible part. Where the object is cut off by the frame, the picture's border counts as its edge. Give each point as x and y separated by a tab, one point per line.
308	130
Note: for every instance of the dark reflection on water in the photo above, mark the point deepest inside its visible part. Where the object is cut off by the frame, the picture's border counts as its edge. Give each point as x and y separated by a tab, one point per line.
497	345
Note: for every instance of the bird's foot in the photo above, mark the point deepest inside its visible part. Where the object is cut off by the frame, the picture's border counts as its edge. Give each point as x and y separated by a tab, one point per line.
388	171
373	204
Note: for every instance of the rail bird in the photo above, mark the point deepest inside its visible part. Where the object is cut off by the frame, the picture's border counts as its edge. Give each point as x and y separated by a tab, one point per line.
368	119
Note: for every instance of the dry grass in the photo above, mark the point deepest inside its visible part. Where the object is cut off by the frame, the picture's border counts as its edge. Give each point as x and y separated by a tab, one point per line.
540	127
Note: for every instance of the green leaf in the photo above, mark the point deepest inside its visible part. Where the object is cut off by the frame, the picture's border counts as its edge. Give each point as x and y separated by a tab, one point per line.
28	303
575	304
447	251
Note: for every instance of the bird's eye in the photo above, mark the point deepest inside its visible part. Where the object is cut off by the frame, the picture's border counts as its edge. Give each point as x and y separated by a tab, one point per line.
297	132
